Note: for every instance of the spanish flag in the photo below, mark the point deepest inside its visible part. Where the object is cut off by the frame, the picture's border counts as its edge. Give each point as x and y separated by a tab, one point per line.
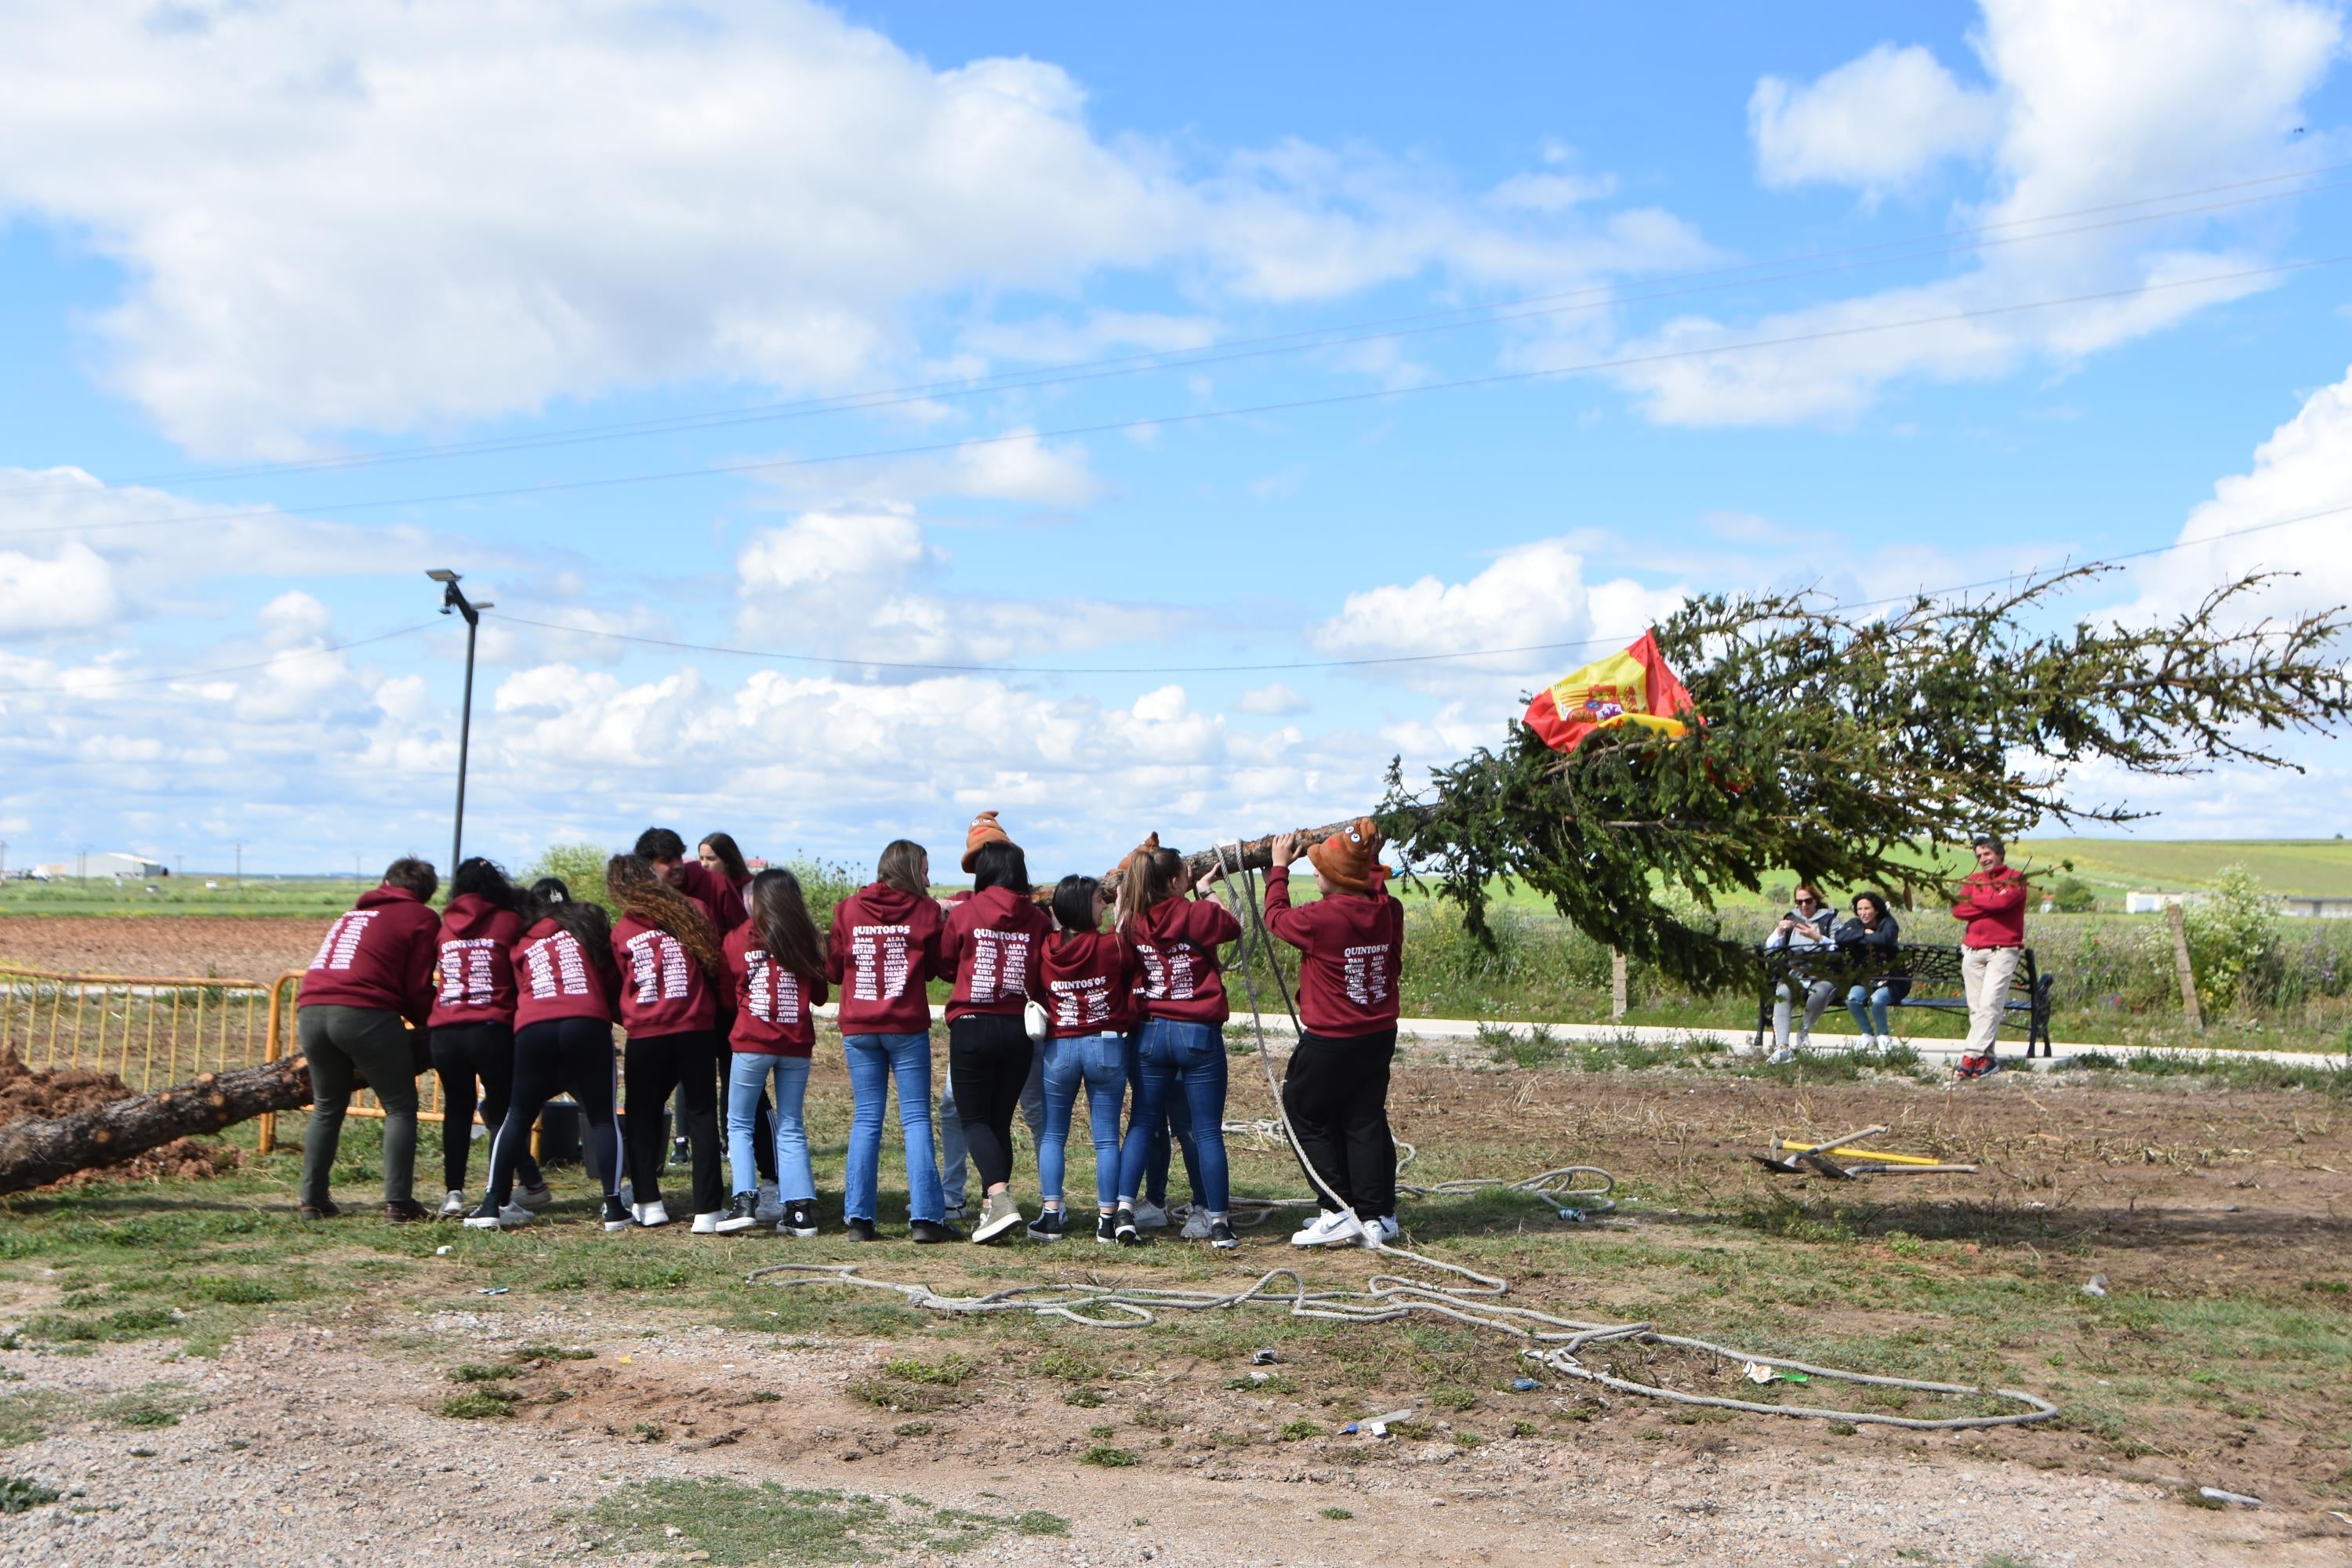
1630	688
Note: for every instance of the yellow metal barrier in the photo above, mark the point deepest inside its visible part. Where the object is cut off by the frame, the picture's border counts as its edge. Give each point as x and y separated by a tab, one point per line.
154	1031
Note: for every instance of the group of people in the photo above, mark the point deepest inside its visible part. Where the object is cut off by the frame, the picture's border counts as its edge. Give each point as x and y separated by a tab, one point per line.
712	972
1991	906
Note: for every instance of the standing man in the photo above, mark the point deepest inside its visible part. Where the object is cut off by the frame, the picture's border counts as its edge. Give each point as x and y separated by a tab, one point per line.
1992	903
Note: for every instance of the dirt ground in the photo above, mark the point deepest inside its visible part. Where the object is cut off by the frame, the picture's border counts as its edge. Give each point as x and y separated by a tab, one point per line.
198	946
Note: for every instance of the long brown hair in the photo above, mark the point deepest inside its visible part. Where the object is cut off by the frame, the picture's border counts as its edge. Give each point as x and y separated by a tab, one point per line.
904	866
779	917
633	885
724	846
1152	877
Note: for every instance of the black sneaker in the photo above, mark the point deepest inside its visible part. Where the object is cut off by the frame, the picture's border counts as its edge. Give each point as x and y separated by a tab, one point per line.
1221	1237
861	1230
741	1214
1106	1230
928	1231
617	1215
680	1151
1047	1227
1123	1227
800	1219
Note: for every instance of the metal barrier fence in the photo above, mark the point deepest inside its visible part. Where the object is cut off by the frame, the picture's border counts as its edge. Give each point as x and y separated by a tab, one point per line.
154	1031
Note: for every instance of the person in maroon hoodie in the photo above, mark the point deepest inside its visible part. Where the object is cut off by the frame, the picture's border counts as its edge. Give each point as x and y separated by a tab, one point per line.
668	955
1992	903
1084	980
567	988
1180	1045
370	981
990	946
473	1023
1335	1091
775	969
885	946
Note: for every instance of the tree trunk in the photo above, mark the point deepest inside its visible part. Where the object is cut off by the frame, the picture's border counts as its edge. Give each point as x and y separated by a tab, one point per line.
34	1153
1255	853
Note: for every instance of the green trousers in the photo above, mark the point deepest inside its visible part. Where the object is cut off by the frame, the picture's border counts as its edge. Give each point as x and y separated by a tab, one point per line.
344	1045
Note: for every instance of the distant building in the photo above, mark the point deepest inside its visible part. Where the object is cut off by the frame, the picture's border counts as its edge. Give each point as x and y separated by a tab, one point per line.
113	863
2150	903
2315	909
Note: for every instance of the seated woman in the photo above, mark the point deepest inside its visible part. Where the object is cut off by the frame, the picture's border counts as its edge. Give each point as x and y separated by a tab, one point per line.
1872	934
1809	925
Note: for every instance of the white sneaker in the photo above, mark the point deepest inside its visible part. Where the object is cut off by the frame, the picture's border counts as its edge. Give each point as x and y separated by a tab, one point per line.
537	1197
1149	1216
454	1206
1383	1229
771	1206
510	1217
707	1224
1804	1039
1326	1229
650	1213
1781	1057
1196	1225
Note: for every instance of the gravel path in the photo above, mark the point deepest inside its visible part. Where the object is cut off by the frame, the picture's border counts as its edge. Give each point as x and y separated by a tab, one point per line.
319	1441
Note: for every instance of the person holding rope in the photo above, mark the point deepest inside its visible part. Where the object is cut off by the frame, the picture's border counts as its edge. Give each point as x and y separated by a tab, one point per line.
884	945
1335	1089
566	993
473	1025
667	951
1180	1045
990	945
1084	980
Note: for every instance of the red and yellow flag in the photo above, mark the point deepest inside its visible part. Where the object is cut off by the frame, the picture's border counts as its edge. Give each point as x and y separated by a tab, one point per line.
1630	688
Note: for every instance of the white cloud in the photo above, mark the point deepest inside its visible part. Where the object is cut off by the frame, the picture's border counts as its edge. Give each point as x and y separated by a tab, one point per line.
1277	700
1877	123
70	589
818	549
2092	104
1535	594
371	215
1017	466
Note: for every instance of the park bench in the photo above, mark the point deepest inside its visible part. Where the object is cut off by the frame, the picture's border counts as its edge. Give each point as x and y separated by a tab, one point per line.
1934	971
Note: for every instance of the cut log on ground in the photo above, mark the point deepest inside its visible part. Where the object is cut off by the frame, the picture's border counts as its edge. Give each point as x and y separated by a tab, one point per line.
34	1153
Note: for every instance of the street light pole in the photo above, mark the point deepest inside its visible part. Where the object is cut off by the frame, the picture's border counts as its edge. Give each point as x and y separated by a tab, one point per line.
454	598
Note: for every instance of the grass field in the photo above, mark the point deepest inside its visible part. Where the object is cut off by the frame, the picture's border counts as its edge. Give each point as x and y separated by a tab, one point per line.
700	1413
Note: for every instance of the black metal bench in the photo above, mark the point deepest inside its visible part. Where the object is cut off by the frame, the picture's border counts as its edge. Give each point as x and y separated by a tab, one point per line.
1929	966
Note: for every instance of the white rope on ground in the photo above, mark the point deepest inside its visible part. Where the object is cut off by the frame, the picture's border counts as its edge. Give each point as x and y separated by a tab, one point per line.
1553	1341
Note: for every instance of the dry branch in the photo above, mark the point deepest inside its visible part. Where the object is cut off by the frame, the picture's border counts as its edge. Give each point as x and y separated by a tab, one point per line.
34	1153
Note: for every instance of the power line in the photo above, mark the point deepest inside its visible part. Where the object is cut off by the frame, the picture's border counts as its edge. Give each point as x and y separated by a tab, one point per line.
82	686
1272	667
1204	415
1588	297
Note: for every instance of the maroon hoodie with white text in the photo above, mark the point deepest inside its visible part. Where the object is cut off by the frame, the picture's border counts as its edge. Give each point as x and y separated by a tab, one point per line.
476	955
885	946
990	943
379	955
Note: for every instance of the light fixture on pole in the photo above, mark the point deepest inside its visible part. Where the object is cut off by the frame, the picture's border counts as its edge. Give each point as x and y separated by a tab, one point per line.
454	598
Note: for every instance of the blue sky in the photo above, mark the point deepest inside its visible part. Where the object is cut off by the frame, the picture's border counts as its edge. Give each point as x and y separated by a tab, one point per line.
287	293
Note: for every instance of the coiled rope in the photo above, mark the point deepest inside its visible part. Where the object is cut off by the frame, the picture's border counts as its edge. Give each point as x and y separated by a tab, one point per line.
1551	1340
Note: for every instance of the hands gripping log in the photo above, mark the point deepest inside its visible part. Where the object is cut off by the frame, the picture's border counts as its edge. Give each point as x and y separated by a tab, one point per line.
1803	739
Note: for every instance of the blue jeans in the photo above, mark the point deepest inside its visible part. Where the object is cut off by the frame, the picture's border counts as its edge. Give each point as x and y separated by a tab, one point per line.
1180	1073
1877	1001
747	1074
874	1061
1173	1119
1096	1063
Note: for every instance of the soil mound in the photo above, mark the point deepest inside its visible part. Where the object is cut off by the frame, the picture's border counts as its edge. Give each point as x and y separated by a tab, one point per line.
30	1095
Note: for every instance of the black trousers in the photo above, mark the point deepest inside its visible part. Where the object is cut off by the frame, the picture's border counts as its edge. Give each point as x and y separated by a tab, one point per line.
461	1054
568	1055
653	1067
988	1065
1336	1095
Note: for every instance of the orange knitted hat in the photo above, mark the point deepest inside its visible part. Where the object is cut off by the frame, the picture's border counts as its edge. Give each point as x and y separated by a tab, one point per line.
1349	860
983	830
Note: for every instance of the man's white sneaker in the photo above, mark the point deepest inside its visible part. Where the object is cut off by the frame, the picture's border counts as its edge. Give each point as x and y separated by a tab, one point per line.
1149	1216
1384	1228
1781	1057
454	1206
650	1213
1196	1225
707	1224
1328	1229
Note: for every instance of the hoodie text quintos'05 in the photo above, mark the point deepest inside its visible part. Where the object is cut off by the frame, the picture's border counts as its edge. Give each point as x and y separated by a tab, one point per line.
379	955
1352	947
477	963
663	990
884	949
989	942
